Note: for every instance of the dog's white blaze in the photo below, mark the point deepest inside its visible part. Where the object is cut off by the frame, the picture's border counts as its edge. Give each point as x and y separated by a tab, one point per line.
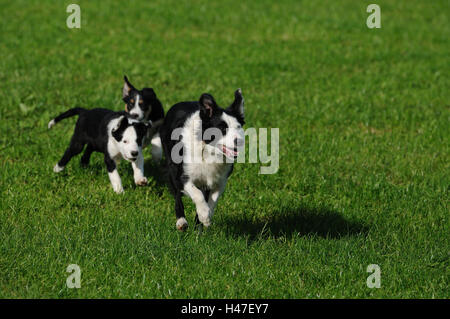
136	104
137	109
234	131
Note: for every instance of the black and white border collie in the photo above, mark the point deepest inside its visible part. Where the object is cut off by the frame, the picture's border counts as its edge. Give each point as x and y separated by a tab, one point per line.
144	106
115	134
200	142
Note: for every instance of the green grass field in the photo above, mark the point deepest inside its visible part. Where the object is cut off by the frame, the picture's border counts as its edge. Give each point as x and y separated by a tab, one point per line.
364	150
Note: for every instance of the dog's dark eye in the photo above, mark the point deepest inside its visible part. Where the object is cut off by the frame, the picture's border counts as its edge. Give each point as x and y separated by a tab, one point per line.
125	141
132	101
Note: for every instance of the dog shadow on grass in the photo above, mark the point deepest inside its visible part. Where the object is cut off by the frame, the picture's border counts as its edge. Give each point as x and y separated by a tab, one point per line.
156	172
299	221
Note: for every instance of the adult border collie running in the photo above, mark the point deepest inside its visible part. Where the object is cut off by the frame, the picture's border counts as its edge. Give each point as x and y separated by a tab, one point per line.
201	141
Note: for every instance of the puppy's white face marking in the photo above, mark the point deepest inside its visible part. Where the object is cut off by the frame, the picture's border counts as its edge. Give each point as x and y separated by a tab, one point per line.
136	111
128	146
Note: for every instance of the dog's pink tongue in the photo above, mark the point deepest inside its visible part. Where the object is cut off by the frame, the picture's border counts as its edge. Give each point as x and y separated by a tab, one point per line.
229	152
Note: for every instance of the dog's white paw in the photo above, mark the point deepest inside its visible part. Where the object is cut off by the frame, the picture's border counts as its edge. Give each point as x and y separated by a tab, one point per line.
206	222
141	181
57	168
51	123
204	216
182	224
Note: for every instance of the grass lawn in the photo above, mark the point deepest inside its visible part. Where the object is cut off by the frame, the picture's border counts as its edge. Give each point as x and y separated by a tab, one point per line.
364	150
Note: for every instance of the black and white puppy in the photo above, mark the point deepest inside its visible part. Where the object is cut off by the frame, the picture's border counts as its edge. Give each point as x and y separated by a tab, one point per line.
199	165
115	134
144	106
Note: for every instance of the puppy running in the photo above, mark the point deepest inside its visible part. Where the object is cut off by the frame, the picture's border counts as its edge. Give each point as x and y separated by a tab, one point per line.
114	134
199	165
144	106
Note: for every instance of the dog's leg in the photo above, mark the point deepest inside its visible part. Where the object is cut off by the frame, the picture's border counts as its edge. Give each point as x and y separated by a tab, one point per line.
182	223
215	195
86	155
201	205
176	187
198	224
75	148
114	176
156	148
138	171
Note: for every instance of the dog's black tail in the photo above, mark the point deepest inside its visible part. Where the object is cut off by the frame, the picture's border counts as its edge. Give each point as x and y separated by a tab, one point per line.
69	113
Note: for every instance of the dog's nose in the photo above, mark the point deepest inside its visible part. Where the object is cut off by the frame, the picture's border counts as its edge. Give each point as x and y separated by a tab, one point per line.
135	116
134	153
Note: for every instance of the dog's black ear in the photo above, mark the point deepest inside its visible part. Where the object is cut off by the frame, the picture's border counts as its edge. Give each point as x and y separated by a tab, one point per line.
149	94
237	107
207	106
127	87
119	127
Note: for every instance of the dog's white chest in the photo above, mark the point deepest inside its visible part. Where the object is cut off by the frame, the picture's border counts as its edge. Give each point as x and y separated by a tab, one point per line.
206	174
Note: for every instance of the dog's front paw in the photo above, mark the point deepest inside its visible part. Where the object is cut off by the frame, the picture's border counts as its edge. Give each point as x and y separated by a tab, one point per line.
182	224
206	222
141	182
57	168
204	216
